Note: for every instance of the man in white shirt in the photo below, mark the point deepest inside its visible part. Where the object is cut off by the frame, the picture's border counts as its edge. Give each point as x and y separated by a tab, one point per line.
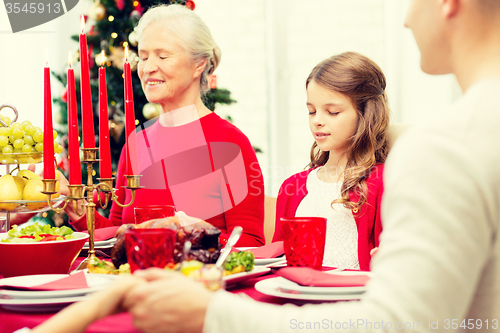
438	268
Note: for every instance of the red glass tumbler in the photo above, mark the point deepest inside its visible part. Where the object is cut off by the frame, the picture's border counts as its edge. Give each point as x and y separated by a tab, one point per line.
149	247
304	240
146	213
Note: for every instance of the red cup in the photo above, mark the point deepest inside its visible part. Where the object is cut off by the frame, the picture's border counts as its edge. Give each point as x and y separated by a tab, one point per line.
146	213
149	247
304	241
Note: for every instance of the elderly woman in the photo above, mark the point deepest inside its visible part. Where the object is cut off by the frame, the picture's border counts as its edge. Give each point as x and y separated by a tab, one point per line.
189	157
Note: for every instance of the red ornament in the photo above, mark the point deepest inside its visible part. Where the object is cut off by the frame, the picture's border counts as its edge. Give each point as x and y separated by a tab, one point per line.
139	9
63	164
212	81
91	59
64	96
120	4
190	4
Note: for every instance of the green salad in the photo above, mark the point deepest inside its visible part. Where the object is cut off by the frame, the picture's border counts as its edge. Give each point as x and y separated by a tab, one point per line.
243	261
37	233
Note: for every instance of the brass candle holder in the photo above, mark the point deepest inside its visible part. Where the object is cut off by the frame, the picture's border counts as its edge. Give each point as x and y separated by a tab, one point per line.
76	195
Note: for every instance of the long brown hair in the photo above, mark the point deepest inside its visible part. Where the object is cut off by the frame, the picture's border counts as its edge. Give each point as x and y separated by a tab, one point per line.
362	80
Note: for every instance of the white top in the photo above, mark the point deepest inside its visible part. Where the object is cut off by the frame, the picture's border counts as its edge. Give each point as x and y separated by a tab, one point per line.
341	244
439	258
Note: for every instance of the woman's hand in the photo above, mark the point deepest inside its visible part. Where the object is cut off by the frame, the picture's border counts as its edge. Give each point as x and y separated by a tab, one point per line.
63	182
169	302
373	251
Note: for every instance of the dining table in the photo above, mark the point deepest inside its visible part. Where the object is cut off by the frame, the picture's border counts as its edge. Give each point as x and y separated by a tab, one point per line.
11	321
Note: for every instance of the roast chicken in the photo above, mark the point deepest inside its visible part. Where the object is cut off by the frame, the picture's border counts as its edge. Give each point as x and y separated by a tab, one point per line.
203	236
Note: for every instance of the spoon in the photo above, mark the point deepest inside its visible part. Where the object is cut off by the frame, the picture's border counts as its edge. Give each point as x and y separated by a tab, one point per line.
233	238
186	249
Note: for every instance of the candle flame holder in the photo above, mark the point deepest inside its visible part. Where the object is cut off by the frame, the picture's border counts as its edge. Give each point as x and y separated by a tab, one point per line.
76	195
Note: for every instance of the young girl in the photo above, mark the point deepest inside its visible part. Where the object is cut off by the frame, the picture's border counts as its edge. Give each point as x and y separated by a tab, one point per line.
348	118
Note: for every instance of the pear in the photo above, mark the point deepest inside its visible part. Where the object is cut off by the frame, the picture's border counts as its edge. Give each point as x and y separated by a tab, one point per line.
11	189
27	174
33	192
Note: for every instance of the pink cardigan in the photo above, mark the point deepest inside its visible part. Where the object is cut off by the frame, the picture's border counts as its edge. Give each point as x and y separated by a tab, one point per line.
368	221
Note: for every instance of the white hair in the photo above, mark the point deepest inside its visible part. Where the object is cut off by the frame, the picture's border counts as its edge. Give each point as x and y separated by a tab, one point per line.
190	30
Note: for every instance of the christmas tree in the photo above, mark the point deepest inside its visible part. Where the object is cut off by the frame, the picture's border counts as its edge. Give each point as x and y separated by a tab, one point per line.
112	25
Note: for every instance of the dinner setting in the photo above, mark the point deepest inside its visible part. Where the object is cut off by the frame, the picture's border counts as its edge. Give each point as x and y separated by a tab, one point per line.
320	178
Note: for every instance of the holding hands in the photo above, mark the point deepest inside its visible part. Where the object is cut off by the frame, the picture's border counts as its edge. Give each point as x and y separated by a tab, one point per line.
158	300
167	302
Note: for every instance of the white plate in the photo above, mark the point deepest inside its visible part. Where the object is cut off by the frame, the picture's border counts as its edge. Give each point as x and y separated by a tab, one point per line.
265	261
39	304
268	261
94	281
104	243
256	271
289	286
272	287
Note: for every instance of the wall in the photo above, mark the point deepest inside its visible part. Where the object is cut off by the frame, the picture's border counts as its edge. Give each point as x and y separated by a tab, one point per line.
269	48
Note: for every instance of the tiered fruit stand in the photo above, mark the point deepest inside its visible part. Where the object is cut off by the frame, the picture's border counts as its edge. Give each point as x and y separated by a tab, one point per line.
16	160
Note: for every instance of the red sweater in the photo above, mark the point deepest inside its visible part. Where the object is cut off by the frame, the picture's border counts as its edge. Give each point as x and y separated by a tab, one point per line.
206	168
368	221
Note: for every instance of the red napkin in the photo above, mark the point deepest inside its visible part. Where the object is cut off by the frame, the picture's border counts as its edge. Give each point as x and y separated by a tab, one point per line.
272	250
102	234
306	276
74	281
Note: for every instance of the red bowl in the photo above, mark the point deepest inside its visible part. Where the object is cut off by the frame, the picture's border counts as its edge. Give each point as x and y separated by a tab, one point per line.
39	258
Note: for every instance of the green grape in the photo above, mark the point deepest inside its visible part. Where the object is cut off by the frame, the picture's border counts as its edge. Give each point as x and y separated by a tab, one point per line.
27	148
38	136
18	133
58	150
5	131
7	149
55	145
16	125
30	130
25	123
12	138
55	134
39	147
4	141
28	139
19	143
38	129
7	120
17	150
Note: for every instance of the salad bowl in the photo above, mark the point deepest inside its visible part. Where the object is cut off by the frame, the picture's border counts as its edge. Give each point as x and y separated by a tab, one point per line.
52	257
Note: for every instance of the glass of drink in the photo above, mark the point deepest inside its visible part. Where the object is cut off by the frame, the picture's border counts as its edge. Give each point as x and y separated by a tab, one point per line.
304	241
152	247
151	212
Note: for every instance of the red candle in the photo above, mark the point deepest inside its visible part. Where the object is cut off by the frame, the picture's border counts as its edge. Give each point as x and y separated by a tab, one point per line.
87	113
104	147
48	134
75	173
129	113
